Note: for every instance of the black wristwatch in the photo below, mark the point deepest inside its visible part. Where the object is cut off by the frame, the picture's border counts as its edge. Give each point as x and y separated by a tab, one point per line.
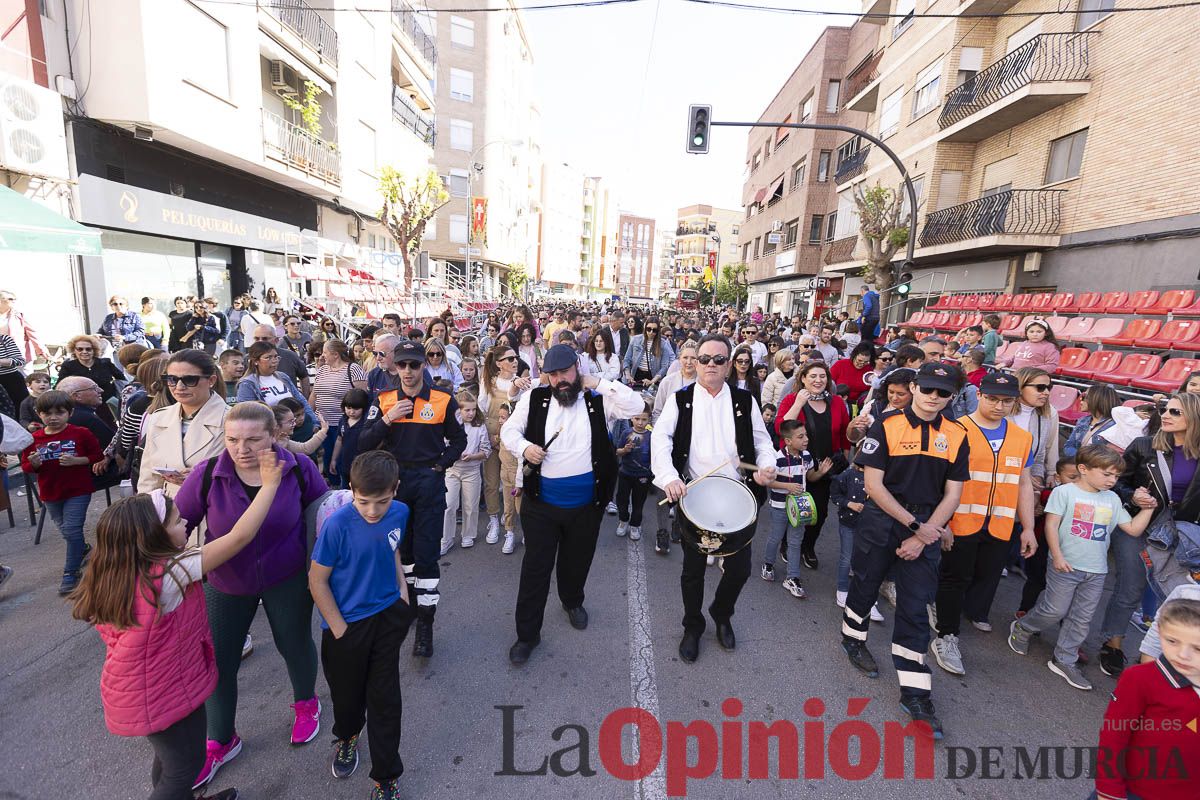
914	526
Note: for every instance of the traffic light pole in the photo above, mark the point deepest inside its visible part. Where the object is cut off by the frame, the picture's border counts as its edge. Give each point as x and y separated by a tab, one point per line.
815	126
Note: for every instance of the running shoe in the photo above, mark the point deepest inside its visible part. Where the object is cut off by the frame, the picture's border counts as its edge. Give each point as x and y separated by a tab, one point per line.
216	756
510	543
794	588
345	757
388	790
308	721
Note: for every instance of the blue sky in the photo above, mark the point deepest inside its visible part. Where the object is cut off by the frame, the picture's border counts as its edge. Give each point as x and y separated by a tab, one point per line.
614	99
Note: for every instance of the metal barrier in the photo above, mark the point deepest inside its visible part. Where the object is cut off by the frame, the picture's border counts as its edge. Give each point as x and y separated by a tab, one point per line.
294	145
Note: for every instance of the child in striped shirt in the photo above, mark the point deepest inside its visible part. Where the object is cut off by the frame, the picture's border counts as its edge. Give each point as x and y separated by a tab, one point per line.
793	468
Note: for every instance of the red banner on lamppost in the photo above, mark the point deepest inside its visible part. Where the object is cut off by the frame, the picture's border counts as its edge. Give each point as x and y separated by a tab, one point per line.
478	220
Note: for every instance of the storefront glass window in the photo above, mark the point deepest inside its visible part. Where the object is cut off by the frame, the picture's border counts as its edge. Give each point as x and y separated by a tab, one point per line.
136	266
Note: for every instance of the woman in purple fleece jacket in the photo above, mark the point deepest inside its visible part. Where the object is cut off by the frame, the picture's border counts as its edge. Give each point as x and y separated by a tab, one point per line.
271	569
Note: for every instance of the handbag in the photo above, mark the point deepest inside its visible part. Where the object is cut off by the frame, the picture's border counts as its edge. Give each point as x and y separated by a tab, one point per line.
16	438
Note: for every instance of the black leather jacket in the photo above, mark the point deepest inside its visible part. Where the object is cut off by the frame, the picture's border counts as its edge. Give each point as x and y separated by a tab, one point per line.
1142	469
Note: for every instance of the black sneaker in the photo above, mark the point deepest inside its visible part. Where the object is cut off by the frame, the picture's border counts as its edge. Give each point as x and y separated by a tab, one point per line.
808	559
675	535
662	544
1112	661
423	639
860	657
388	790
69	581
921	710
783	551
345	757
87	553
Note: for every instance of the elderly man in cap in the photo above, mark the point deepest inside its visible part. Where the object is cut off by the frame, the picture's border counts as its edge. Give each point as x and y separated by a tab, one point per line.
560	431
998	494
915	462
416	422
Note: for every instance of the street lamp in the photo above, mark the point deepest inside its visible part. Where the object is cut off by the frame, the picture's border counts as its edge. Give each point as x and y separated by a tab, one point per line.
472	168
716	237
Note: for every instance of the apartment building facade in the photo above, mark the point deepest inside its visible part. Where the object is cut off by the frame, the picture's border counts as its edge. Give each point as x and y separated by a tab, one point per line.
487	149
230	148
598	241
1042	153
560	263
704	235
635	256
788	192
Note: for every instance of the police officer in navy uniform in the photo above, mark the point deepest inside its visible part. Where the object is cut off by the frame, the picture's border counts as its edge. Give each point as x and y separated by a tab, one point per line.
915	462
418	424
560	430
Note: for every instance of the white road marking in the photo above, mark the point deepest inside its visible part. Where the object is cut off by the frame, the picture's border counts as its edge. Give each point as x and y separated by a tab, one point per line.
642	684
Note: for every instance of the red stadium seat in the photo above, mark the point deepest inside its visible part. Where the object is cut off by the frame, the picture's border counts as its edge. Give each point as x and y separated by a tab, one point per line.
1112	299
1134	330
1003	302
1061	301
939	320
1175	332
955	322
1058	325
943	302
1133	367
1021	302
1083	304
1076	328
1108	326
1169	301
1007	350
1098	361
1011	323
1189	311
970	319
1041	303
1167	379
1065	400
987	302
1071	357
1137	303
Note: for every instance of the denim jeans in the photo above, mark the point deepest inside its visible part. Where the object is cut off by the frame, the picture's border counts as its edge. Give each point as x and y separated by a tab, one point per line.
69	516
780	528
847	550
1129	585
1073	598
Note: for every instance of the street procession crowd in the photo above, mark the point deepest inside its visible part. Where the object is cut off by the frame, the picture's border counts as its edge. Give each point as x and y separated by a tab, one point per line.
285	459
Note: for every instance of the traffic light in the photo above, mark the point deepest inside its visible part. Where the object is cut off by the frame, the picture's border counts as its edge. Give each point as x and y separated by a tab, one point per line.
699	120
904	283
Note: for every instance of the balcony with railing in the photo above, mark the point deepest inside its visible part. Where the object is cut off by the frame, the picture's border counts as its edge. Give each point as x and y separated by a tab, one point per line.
405	111
852	166
296	147
1016	217
839	250
404	17
308	25
1044	73
861	77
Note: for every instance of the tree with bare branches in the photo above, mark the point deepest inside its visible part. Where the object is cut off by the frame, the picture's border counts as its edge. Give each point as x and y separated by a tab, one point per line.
883	222
408	205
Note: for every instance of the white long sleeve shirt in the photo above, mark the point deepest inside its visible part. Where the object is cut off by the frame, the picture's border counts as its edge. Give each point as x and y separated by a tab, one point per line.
571	452
713	442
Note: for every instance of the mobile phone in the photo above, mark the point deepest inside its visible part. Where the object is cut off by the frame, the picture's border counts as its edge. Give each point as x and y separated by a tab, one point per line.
166	471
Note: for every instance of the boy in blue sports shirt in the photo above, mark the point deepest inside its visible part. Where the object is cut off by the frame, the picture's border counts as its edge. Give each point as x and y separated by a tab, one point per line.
358	586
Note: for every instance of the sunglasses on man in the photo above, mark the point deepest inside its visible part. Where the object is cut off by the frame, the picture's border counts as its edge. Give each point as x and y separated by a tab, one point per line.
411	365
945	394
706	359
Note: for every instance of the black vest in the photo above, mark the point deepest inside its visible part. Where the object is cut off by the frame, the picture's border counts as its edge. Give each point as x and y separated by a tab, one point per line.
743	406
604	457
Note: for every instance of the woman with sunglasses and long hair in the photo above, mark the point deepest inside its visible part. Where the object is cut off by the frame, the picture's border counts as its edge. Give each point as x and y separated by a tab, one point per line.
826	417
649	356
189	432
1162	466
1033	413
498	387
743	376
529	348
440	367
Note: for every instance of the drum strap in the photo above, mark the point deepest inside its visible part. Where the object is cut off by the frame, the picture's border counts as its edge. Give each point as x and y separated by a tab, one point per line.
743	430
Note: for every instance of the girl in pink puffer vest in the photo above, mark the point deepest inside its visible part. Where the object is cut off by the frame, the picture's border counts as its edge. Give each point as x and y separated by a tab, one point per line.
142	592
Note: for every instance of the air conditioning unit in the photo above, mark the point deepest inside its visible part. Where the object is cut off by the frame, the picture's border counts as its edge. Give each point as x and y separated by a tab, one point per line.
32	139
777	225
284	81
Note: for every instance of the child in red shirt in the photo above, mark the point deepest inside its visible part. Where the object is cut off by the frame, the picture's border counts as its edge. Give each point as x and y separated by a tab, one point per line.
62	456
1149	748
972	366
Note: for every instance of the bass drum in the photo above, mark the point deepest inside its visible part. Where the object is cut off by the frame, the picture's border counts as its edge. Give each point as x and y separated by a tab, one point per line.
717	516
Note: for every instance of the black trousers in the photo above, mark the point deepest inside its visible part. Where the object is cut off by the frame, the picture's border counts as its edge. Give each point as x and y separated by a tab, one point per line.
423	490
637	489
691	583
178	757
562	539
1035	576
363	672
968	578
820	494
874	557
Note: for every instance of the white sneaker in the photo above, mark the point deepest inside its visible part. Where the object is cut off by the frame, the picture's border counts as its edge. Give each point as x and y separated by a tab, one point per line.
447	546
510	543
876	614
247	646
982	625
635	533
622	528
468	543
887	590
611	508
945	650
841	599
493	534
711	560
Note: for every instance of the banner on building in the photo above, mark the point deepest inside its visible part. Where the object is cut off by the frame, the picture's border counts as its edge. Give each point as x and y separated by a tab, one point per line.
478	220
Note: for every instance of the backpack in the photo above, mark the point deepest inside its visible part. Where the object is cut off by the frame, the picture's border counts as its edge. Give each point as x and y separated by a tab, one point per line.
312	516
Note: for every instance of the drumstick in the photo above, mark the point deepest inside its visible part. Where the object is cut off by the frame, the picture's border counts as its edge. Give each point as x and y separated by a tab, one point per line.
708	474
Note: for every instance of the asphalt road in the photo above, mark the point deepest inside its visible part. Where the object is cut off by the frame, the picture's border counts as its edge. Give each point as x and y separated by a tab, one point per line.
458	740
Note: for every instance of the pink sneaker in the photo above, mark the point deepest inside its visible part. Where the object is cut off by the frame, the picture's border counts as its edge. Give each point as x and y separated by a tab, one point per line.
308	721
217	756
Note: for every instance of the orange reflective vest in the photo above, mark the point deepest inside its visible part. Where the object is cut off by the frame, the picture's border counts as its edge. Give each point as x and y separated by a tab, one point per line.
989	498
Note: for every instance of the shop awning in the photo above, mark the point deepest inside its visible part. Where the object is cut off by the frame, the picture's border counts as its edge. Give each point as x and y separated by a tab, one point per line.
32	228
